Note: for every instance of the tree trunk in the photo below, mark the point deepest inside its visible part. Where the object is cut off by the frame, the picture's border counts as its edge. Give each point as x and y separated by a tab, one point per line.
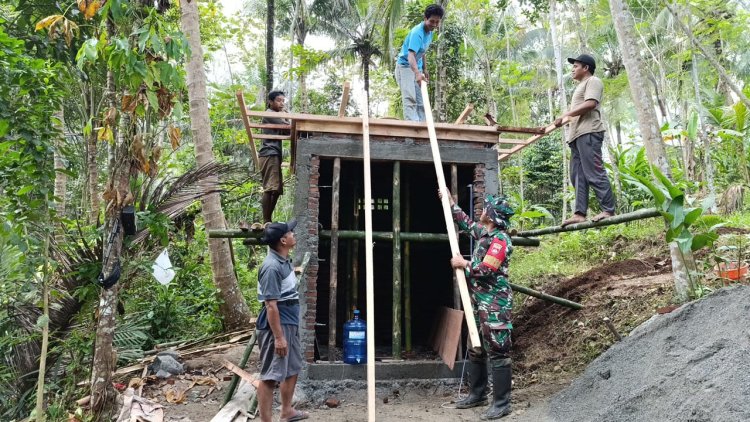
366	75
563	101
650	132
93	174
61	179
708	164
582	41
232	307
642	97
270	11
711	58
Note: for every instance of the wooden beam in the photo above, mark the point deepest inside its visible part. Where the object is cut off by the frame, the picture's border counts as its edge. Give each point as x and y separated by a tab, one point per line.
531	140
248	130
240	372
344	99
269	126
452	237
396	218
465	114
369	277
456	290
513	141
445	134
293	148
271	137
511	129
388	236
334	259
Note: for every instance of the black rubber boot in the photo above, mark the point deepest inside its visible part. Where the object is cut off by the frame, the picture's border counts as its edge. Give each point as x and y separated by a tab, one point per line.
478	386
501	385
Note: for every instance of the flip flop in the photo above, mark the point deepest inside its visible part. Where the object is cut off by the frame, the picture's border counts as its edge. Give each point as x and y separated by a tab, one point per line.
298	416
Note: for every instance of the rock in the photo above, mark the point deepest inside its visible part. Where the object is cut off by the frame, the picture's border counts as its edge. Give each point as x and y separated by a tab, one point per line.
166	363
332	402
162	374
171	353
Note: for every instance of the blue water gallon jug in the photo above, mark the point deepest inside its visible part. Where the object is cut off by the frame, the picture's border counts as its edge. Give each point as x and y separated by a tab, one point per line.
355	341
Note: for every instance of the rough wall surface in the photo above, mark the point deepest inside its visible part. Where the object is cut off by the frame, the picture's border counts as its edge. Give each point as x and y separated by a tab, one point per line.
312	148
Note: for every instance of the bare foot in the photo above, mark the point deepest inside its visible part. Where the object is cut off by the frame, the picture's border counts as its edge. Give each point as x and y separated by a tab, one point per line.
575	219
602	215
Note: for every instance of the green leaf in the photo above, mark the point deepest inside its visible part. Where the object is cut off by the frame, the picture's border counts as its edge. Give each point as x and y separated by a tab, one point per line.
674	192
692	127
684	241
692	216
24	190
702	240
42	321
152	100
4	126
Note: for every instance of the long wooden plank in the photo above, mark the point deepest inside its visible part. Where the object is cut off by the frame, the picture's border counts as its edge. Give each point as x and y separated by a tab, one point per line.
333	283
513	141
344	99
511	129
293	148
456	291
464	114
369	277
248	130
349	128
547	130
269	126
452	237
271	137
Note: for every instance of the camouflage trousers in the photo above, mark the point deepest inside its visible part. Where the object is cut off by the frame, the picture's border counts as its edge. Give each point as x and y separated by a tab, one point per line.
493	323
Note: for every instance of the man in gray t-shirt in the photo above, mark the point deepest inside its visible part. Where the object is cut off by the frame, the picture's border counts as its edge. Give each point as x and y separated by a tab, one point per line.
269	157
278	324
586	134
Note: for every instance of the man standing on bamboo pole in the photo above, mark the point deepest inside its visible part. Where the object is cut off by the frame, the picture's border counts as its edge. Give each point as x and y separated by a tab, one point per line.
492	297
278	324
411	68
585	139
269	157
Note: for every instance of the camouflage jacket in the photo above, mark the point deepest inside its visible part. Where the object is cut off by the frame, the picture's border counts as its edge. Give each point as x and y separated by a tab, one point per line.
488	272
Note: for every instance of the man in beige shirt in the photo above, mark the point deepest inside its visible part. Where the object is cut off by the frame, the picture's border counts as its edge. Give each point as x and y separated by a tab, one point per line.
585	137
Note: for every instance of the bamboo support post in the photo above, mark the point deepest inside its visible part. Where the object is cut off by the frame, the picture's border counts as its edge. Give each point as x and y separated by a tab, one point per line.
544	296
246	122
617	219
334	259
396	214
407	270
355	251
243	362
369	277
456	291
452	237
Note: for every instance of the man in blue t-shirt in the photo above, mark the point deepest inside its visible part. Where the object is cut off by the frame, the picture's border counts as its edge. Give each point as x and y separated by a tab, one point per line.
278	324
411	69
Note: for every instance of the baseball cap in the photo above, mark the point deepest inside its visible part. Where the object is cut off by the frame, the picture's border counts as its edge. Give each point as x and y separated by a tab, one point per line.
275	231
585	59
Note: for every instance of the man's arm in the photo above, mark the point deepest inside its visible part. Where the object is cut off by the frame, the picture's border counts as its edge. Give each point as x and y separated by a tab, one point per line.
418	76
274	321
582	108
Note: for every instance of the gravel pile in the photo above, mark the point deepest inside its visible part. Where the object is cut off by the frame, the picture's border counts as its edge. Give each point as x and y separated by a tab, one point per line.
692	364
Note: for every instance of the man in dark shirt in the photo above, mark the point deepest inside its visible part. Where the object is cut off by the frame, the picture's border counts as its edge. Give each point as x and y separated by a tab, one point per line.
278	324
270	157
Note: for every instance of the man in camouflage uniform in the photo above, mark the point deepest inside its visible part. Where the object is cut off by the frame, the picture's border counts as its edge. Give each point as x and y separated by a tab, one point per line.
492	297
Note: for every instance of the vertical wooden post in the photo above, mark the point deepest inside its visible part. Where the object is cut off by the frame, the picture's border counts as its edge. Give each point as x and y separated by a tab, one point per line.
456	293
334	259
407	270
452	237
369	275
355	251
248	130
396	214
344	99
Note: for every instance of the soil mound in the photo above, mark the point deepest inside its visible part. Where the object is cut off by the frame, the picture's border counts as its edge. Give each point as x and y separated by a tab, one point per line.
691	365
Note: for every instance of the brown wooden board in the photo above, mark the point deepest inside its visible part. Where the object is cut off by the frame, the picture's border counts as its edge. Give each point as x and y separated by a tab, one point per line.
269	136
448	334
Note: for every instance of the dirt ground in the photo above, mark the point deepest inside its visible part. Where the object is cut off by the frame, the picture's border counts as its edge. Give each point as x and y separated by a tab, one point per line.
552	345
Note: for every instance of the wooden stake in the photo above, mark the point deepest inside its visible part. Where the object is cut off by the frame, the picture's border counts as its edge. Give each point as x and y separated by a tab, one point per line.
452	238
246	122
344	99
396	213
334	259
369	277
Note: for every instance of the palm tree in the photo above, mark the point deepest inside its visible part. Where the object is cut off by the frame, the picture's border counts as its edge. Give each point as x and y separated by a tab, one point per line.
270	22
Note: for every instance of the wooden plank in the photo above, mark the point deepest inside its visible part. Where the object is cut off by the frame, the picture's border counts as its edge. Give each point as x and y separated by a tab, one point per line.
451	337
396	218
246	122
334	259
269	126
465	114
270	136
456	291
239	405
240	372
547	130
293	148
452	237
513	141
446	134
369	276
511	129
344	99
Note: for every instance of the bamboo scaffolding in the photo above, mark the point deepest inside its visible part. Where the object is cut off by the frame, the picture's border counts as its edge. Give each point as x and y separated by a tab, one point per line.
334	259
617	219
452	237
396	214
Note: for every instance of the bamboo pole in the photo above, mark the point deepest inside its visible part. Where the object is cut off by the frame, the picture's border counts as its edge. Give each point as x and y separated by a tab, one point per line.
396	214
415	237
617	219
456	291
355	250
407	270
333	285
452	238
369	277
243	362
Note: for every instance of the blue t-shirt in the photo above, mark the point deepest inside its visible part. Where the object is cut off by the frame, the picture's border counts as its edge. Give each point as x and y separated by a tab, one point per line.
417	41
277	281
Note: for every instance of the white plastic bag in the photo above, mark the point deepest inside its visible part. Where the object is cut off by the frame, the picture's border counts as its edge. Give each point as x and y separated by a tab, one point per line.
163	271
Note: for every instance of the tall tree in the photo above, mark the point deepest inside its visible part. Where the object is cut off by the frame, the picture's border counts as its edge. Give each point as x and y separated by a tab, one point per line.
233	308
270	22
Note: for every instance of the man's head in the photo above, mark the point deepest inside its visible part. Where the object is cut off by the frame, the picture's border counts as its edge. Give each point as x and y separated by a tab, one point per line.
280	236
497	211
276	100
433	14
583	65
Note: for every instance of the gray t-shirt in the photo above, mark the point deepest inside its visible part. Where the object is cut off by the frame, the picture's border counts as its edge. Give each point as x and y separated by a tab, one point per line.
591	122
277	281
269	147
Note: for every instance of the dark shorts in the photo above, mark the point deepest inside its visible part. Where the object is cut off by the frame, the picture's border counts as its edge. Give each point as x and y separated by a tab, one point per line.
274	367
270	173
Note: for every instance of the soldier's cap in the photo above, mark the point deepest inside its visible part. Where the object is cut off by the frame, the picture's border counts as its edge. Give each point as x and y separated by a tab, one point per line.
275	231
498	209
